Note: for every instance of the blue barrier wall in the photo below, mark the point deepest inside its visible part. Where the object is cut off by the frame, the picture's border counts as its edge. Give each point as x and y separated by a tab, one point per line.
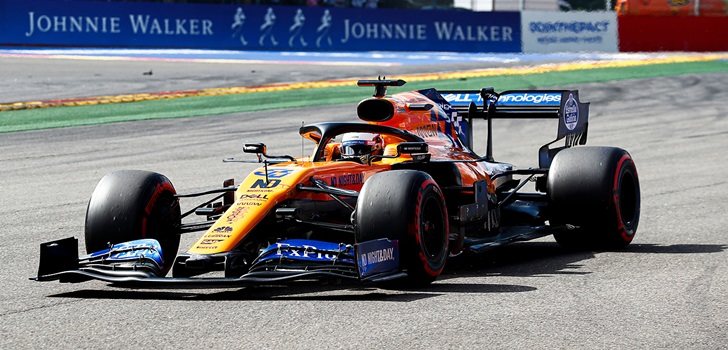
159	25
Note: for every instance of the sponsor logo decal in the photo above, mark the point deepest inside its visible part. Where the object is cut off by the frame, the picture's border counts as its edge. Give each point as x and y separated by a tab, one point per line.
218	236
444	31
275	173
346	179
426	130
265	190
207	241
445	106
253	196
308	251
571	113
140	25
260	183
250	204
463	99
514	99
223	229
350	179
304	251
237	213
132	250
576	27
526	99
378	256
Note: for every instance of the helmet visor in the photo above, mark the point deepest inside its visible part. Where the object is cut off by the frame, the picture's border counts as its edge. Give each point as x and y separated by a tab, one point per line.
356	149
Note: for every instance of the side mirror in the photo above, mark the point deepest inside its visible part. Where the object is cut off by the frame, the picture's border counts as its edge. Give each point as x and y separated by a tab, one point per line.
412	147
257	148
418	150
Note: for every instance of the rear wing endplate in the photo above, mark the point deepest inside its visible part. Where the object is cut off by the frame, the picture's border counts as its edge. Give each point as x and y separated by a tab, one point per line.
564	105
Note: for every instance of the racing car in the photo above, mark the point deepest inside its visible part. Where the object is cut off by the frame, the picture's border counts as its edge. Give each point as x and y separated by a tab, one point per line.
390	198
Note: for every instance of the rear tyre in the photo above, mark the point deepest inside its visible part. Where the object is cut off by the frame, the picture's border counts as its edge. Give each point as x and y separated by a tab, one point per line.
597	190
133	204
408	206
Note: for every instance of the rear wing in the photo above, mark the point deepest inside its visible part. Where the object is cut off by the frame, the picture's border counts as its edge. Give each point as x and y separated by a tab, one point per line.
564	105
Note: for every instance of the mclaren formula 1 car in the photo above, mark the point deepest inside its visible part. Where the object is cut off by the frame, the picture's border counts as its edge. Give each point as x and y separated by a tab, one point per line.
389	198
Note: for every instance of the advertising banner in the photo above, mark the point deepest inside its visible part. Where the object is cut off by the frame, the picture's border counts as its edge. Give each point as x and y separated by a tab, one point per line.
251	27
569	31
673	33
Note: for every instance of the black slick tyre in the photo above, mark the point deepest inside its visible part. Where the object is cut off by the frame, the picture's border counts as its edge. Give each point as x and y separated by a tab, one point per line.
133	204
408	206
597	190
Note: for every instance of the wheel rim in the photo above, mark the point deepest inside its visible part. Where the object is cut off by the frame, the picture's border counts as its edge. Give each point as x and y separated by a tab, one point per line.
432	228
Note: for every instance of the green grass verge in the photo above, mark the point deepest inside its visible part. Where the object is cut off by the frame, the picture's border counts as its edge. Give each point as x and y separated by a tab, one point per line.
202	106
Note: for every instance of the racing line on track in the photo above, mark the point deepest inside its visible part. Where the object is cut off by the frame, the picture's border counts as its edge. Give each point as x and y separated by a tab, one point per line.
465	74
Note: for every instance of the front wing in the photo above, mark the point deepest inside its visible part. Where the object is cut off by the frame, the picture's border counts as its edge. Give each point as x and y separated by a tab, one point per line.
137	264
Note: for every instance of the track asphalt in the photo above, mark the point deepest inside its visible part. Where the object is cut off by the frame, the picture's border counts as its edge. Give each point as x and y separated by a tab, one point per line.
667	290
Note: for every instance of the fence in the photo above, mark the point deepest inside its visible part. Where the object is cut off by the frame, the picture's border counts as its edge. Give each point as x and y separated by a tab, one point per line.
251	27
84	23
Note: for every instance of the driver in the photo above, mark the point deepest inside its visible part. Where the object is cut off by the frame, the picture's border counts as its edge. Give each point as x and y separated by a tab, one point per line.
360	146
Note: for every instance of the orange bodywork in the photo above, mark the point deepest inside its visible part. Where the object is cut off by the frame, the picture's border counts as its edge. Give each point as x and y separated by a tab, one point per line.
255	198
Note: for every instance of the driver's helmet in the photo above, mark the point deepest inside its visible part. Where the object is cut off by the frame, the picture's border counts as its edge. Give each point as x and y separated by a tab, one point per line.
361	145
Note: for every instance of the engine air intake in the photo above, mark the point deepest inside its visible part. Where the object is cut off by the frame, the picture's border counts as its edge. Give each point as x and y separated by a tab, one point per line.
375	110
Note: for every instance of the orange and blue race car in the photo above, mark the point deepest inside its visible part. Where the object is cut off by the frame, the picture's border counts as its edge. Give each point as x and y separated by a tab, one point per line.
389	198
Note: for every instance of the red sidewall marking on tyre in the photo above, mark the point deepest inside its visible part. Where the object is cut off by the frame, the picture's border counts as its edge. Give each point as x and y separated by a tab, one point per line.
150	205
445	221
615	197
418	240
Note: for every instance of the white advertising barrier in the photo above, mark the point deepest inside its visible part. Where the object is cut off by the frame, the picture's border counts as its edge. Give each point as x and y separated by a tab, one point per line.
569	31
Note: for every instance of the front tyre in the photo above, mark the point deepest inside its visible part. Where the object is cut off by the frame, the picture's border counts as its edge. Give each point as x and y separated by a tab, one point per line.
597	190
132	204
408	206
